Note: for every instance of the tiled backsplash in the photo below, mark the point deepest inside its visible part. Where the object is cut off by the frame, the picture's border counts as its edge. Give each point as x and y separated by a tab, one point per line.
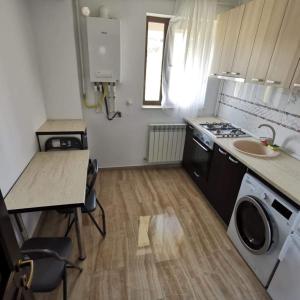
248	105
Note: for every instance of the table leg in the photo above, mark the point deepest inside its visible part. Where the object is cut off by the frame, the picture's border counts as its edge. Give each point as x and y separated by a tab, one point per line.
78	226
21	227
39	142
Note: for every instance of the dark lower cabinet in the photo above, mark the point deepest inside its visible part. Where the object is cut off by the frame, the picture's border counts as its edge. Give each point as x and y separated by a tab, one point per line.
188	150
224	180
216	173
196	158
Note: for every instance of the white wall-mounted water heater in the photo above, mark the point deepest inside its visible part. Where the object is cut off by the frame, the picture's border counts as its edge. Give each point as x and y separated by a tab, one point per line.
104	49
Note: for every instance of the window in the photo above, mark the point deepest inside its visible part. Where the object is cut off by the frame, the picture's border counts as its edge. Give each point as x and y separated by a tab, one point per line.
156	30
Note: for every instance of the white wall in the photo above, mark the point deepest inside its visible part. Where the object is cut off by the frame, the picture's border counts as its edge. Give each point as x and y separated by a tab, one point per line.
22	108
266	103
52	21
123	142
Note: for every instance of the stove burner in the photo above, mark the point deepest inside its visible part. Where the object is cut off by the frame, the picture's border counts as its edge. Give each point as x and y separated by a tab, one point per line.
223	129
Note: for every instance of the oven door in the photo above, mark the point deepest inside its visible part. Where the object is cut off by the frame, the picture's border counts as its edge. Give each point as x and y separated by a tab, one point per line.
200	161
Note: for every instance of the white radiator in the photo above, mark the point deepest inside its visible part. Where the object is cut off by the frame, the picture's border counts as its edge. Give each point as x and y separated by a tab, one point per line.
166	142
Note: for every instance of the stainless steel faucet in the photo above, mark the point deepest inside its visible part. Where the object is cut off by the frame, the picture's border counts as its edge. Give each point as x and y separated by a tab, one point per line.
273	132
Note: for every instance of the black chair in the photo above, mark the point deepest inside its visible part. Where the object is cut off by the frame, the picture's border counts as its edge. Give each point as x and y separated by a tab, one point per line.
63	143
50	256
67	143
91	201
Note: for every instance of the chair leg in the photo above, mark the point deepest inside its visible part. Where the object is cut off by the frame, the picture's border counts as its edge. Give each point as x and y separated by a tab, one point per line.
65	285
103	217
71	265
69	227
96	224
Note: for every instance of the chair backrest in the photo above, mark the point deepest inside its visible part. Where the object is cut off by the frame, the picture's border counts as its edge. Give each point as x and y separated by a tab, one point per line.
93	163
63	143
91	178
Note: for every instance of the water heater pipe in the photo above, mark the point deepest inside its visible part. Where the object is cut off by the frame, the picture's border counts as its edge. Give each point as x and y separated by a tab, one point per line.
78	27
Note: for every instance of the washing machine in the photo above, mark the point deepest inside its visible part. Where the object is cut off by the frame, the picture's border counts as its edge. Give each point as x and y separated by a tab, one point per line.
259	226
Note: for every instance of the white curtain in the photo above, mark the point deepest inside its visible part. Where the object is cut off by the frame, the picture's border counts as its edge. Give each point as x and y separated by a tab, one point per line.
187	55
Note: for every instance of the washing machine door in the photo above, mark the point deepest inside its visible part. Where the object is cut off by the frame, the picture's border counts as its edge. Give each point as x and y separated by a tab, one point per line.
253	225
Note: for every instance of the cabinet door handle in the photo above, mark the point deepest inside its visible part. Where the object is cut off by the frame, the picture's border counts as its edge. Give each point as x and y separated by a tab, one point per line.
272	82
297	85
200	145
196	174
222	152
233	160
235	73
257	80
225	72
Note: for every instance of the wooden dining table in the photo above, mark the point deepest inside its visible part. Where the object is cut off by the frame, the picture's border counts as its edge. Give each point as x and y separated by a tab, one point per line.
52	180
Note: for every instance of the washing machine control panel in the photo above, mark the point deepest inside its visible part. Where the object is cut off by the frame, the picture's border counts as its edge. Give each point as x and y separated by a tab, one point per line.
253	187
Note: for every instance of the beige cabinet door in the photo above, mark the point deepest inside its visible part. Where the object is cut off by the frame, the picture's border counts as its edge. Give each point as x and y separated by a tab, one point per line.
296	79
266	37
220	31
287	50
231	38
251	19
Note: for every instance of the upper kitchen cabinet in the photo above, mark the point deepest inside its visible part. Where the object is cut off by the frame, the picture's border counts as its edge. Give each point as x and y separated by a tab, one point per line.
266	37
296	79
221	26
250	22
231	38
287	50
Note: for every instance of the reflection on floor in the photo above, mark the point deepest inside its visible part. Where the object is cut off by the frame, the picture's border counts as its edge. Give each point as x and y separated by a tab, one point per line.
163	242
161	235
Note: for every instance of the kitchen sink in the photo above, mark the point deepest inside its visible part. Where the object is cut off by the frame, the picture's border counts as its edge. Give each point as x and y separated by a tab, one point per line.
255	148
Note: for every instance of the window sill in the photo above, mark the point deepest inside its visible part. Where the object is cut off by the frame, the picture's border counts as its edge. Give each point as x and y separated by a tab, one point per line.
155	107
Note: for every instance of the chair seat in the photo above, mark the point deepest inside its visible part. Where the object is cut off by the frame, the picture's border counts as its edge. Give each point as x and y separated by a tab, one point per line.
90	203
48	271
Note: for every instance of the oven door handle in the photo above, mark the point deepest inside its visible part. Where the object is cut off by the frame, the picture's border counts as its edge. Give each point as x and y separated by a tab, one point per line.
200	145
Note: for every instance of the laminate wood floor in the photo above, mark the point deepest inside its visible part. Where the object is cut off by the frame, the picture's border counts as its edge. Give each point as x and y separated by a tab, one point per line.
163	241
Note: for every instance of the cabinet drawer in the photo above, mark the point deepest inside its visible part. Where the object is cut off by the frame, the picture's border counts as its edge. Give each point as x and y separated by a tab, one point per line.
225	177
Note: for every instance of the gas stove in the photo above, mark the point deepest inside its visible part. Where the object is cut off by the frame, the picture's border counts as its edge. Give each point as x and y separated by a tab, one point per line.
224	130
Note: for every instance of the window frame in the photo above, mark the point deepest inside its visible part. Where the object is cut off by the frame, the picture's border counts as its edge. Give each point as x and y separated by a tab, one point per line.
160	20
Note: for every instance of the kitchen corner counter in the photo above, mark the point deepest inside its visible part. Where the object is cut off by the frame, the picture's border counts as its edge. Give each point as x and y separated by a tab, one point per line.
282	172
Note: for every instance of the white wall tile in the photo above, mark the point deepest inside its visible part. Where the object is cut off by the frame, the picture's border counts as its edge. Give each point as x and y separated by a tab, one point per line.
248	105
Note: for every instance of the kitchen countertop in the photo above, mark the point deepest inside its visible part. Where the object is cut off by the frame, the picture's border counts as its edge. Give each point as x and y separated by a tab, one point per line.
282	172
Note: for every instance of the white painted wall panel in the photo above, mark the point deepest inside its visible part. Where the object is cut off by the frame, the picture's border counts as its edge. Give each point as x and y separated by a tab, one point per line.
56	55
22	108
123	142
